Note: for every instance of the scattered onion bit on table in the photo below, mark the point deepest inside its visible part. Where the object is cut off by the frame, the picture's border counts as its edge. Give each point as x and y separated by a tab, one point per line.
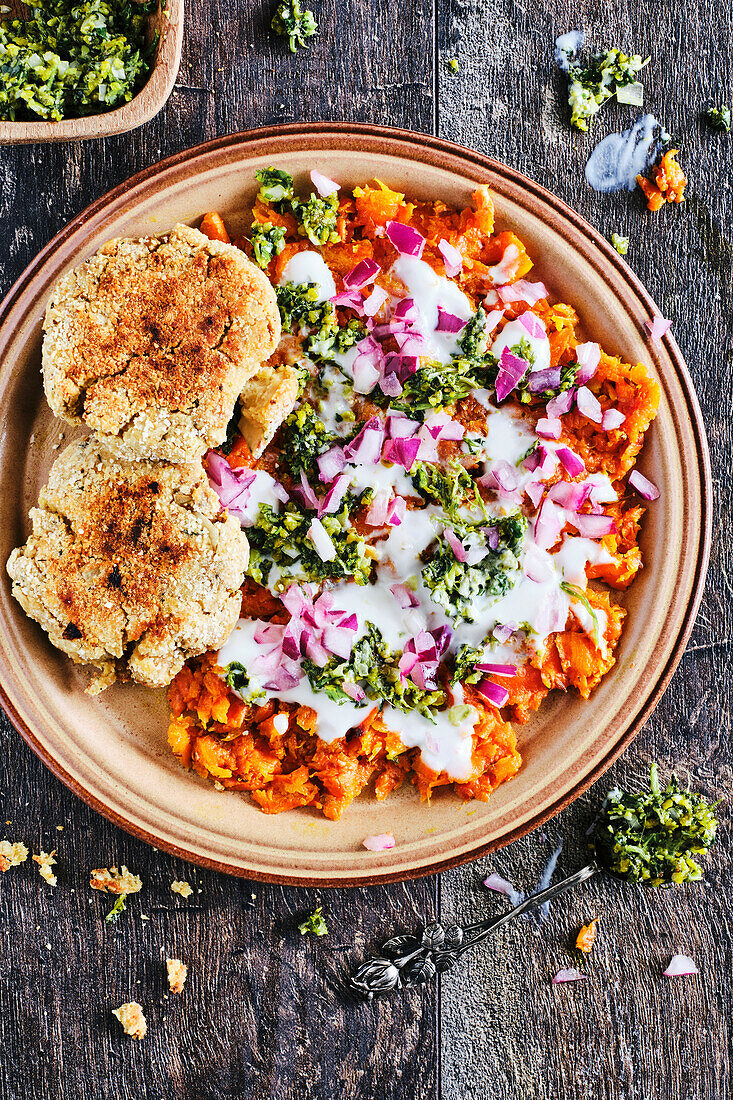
657	327
569	974
669	182
679	966
587	936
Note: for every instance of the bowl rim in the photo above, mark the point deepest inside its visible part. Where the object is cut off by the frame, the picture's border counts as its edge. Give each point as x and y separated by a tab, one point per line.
143	106
342	133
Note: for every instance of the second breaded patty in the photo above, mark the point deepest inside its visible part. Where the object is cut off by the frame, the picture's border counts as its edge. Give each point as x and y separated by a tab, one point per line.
130	565
151	340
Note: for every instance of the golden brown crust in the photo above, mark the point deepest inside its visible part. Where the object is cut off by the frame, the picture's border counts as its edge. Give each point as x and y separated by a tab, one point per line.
151	340
130	565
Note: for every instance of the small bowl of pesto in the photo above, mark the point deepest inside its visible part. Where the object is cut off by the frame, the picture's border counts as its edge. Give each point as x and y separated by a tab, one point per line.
70	71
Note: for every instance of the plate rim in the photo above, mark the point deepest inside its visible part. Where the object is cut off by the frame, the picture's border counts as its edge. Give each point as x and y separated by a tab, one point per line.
342	132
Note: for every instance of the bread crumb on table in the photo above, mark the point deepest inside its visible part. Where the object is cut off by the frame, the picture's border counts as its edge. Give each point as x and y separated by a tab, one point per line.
180	886
177	974
46	861
132	1018
115	882
12	854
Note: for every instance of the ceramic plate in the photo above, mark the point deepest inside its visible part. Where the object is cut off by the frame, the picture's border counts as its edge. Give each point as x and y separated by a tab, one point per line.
112	751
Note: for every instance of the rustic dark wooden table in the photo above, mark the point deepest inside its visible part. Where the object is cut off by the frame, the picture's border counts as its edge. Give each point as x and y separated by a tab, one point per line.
260	1016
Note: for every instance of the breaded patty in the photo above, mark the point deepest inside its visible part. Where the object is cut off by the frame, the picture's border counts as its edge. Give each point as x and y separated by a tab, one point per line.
150	342
130	565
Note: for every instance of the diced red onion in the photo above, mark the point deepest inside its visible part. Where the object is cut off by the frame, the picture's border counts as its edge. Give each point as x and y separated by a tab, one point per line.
402	452
503	631
381	842
354	691
307	492
535	491
405	239
405	597
570	494
339	640
452	258
350	298
400	426
504	476
323	185
442	426
396	512
283	679
549	428
375	301
588	357
361	275
612	419
390	385
459	551
561	404
536	565
657	327
502	886
533	325
377	514
569	974
495	693
449	322
679	966
589	405
522	291
366	447
573	463
492	319
645	488
512	370
593	527
406	310
332	500
331	463
498	670
540	380
548	524
322	541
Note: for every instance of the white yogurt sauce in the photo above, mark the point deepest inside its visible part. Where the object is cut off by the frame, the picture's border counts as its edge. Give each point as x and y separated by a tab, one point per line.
309	267
512	333
430	291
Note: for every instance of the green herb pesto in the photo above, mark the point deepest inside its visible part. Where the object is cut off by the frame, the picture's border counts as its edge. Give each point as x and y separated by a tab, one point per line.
653	837
322	346
568	375
314	924
317	219
304	438
719	117
117	908
73	59
237	678
300	306
276	187
450	487
374	667
592	85
291	22
464	665
282	538
455	585
268	241
621	244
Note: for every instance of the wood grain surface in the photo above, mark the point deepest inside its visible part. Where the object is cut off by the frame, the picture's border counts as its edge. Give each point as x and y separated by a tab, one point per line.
263	1014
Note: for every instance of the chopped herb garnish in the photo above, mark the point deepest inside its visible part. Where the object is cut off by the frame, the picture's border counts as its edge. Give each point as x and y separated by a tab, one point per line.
117	908
450	487
268	241
304	438
283	538
314	923
456	585
592	85
237	678
374	667
291	22
276	187
464	665
317	219
73	59
322	346
621	244
453	65
652	837
300	306
719	117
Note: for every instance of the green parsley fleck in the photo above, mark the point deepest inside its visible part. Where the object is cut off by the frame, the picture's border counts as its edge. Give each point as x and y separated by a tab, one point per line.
718	117
117	908
291	22
314	923
317	219
73	59
652	837
464	665
578	594
592	85
267	241
621	244
300	306
304	438
453	66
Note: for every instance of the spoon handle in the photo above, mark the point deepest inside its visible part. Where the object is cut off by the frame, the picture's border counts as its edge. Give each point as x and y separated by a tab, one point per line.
412	960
